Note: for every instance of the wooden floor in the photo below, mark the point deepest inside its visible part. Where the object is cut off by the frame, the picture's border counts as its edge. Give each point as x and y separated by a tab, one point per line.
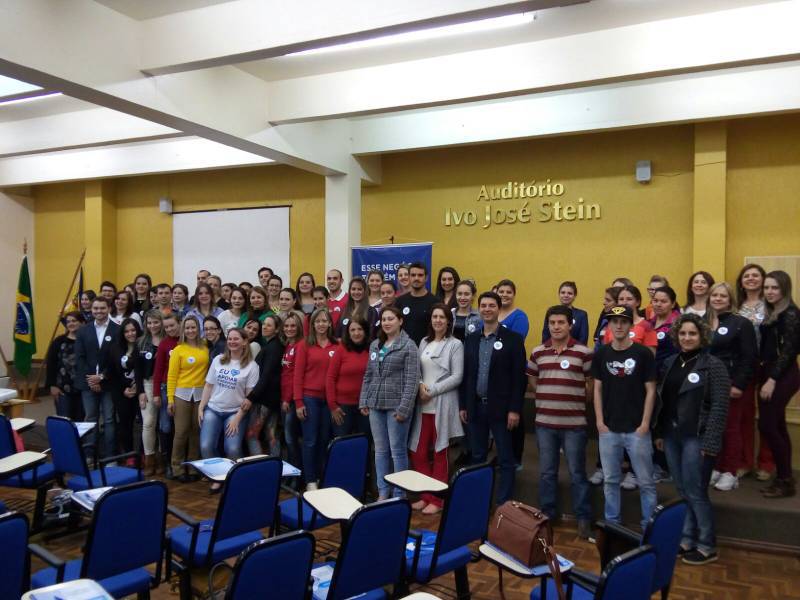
737	575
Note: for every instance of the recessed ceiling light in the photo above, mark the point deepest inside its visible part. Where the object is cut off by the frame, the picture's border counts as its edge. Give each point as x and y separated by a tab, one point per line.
426	34
29	98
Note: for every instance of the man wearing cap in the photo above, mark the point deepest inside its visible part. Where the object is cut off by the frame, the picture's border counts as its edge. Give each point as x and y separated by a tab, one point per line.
492	390
624	396
559	373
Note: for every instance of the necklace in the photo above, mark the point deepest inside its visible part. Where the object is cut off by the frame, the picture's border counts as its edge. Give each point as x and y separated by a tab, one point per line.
688	360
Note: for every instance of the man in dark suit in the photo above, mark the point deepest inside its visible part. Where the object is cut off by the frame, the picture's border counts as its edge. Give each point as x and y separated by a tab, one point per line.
493	389
92	367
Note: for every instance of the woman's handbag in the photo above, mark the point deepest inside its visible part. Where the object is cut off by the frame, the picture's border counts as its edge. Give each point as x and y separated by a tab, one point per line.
525	534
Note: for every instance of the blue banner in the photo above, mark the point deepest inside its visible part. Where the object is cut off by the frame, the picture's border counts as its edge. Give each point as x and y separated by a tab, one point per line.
387	259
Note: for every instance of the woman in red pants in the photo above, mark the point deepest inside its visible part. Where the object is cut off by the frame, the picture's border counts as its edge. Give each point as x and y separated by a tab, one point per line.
436	420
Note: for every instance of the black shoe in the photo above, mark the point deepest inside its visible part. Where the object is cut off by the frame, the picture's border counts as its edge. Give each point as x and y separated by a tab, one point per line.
585	529
782	488
696	558
682	551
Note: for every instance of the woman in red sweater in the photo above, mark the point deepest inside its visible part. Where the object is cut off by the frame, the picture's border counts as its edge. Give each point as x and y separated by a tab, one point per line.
312	357
345	375
166	430
292	334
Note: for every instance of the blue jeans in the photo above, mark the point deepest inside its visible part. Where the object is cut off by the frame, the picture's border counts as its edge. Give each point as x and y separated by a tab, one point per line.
316	435
95	403
214	424
550	441
692	472
479	427
640	450
291	436
354	421
391	447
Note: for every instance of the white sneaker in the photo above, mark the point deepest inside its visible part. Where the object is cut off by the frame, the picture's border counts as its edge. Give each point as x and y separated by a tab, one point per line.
727	482
597	477
715	475
630	483
311	486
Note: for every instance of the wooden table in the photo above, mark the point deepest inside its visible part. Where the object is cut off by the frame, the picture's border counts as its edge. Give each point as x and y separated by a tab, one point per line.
20	424
21	461
415	482
332	503
79	589
13	408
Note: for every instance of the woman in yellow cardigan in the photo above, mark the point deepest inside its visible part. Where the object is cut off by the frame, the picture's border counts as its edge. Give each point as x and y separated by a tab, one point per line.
188	364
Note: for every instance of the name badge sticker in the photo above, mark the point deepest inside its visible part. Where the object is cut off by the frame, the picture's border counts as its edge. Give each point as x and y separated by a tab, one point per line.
148	355
693	378
331	353
661	335
337	309
760	316
407	310
722	330
630	363
498	345
631	334
345	322
124	359
565	364
471	327
191	360
373	356
108	338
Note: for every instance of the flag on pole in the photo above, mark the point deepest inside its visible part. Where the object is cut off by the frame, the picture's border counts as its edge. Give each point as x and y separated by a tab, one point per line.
75	304
24	331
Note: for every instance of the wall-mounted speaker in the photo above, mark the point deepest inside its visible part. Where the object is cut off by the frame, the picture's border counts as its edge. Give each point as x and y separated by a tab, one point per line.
643	171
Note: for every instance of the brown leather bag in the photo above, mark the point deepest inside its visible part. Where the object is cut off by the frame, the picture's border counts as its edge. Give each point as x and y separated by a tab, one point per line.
525	533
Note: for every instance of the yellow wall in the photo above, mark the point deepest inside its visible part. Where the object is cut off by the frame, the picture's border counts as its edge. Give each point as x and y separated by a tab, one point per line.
763	189
59	240
643	228
144	235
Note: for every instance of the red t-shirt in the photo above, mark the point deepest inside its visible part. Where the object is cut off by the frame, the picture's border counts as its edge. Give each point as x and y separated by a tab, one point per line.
287	372
310	369
162	364
337	308
641	333
345	376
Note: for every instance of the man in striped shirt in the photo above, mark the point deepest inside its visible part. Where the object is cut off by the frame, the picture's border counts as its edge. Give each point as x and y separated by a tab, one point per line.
559	374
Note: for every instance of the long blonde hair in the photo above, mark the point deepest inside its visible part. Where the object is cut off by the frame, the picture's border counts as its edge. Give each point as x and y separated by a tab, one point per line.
247	356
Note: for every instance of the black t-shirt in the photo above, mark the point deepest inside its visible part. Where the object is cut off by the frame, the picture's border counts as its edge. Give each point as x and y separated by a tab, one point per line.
416	314
623	375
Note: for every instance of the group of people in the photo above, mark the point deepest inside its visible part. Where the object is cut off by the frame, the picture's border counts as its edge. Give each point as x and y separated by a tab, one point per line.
244	368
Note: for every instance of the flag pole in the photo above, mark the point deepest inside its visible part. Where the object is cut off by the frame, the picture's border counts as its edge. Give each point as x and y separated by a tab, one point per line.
33	390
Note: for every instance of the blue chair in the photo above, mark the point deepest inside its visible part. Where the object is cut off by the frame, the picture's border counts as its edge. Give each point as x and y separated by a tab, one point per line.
464	520
16	560
372	553
345	467
628	576
663	531
126	536
248	504
69	459
281	565
38	478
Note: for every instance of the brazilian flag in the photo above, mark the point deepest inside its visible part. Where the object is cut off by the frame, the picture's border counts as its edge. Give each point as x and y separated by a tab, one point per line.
24	331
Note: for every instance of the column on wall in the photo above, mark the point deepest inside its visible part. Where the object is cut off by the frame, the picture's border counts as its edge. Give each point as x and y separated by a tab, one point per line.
342	220
710	171
100	232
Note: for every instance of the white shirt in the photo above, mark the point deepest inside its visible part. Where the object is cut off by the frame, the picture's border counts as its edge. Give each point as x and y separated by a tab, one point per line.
100	331
231	383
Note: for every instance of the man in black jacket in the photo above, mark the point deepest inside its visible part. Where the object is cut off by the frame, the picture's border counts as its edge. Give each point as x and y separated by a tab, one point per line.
93	345
493	389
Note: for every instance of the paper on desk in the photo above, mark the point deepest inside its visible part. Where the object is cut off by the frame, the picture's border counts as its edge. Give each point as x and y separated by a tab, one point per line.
84	427
74	590
217	468
88	498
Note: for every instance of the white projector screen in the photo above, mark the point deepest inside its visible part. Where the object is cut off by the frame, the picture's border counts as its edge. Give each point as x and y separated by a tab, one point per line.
233	244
